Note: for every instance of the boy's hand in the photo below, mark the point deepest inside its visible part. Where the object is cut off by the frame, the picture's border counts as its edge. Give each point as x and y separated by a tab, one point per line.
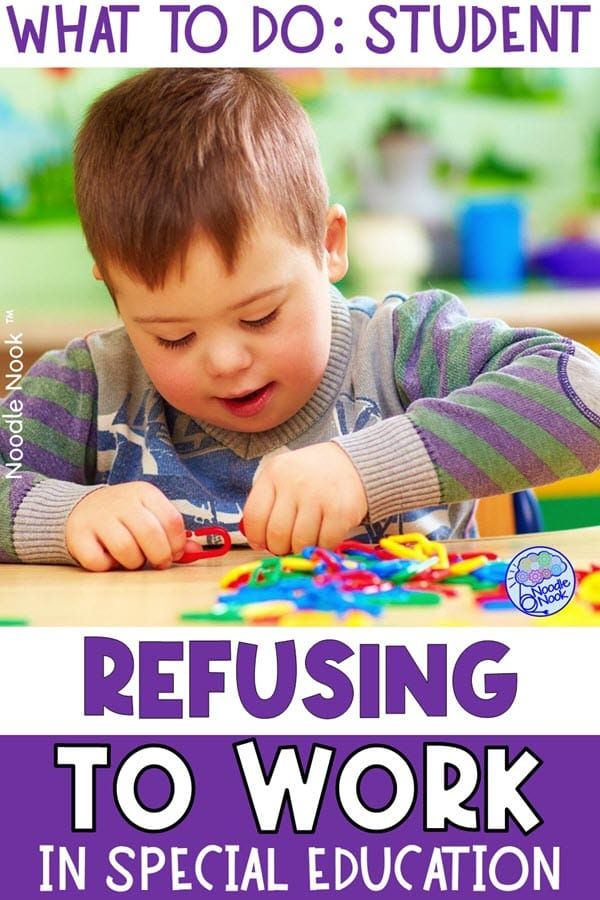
305	497
125	525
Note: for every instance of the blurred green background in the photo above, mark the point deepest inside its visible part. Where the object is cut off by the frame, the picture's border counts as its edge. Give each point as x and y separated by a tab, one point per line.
534	133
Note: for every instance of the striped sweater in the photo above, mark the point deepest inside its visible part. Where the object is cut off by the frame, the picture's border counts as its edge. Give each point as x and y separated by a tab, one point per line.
435	409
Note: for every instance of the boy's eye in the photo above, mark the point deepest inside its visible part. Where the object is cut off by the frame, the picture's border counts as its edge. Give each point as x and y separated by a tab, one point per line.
180	342
260	323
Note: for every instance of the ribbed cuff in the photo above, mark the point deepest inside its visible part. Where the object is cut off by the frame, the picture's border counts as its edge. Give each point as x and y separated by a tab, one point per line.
394	466
39	527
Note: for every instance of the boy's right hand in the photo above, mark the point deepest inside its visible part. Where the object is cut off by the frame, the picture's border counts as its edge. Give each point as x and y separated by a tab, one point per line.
125	525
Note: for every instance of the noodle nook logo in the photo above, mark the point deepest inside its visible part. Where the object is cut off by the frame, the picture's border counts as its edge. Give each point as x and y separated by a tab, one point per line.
540	581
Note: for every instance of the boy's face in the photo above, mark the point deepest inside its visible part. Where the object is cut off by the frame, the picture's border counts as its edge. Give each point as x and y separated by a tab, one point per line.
242	350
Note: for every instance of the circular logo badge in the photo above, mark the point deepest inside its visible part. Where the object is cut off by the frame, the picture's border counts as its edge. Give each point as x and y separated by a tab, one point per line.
540	581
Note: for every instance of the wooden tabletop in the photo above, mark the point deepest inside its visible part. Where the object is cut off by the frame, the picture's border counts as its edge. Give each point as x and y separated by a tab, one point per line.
64	595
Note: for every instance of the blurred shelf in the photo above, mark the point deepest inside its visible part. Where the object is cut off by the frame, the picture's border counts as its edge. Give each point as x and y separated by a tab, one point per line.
574	313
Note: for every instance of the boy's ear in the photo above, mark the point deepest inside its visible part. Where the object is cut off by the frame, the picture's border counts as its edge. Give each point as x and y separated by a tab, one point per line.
100	277
336	242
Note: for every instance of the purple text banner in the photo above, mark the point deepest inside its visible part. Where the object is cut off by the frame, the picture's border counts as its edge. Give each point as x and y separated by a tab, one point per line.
349	816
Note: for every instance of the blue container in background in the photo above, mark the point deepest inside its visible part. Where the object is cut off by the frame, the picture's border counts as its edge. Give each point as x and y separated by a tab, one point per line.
491	242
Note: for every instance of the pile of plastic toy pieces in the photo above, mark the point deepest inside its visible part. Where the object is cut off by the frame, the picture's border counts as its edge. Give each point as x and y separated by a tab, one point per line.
354	584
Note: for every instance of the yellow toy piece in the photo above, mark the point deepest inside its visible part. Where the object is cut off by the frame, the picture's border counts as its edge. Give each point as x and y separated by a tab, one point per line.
237	572
311	618
423	548
573	615
466	566
273	609
439	550
297	564
589	589
357	618
398	548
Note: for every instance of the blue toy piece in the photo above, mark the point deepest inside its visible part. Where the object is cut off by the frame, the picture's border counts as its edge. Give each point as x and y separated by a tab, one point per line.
494	572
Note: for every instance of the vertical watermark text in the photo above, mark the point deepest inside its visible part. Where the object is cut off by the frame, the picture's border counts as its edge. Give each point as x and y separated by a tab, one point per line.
12	414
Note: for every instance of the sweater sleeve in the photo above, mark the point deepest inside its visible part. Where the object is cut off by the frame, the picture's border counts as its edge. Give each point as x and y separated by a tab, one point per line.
489	410
47	453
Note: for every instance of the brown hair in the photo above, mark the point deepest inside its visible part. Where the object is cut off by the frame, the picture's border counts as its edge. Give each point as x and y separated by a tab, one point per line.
171	154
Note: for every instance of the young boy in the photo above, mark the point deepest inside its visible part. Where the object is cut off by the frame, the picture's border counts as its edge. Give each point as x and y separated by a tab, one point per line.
241	382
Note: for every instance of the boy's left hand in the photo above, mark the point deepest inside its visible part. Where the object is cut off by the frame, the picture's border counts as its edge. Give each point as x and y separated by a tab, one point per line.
302	498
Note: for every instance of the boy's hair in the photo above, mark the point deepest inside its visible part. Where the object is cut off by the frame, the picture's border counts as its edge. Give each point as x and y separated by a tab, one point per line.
173	154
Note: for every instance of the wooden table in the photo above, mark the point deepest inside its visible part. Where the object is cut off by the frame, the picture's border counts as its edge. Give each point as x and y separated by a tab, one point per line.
64	595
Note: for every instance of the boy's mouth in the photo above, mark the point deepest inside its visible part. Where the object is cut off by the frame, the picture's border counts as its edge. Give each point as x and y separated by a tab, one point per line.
249	404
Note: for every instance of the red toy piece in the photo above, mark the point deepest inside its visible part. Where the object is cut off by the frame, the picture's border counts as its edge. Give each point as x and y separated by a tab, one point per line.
206	551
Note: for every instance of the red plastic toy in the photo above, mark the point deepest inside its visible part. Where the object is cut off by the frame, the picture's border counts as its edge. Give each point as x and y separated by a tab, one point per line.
206	551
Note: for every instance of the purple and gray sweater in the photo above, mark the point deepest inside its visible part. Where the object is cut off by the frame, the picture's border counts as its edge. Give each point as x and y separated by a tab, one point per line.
434	409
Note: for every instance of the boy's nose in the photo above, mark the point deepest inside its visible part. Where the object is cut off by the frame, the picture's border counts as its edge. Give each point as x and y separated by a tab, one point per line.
223	359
